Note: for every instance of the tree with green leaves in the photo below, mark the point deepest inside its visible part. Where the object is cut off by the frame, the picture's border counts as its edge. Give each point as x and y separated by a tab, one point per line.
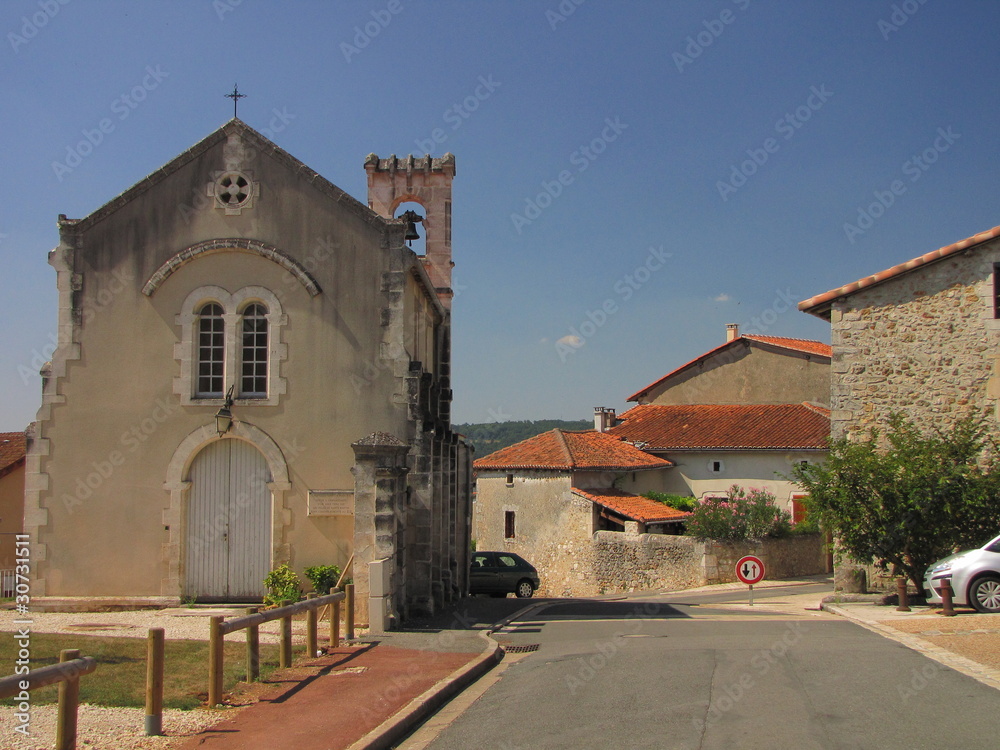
902	499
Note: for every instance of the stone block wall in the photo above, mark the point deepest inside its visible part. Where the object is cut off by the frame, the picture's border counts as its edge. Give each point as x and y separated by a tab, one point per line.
615	562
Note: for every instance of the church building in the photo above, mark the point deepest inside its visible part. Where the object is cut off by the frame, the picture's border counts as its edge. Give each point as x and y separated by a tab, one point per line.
252	369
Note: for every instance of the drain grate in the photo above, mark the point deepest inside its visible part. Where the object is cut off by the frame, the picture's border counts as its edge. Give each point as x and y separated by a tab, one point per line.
510	649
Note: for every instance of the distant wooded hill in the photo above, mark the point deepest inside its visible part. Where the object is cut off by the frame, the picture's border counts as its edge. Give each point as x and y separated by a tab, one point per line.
492	436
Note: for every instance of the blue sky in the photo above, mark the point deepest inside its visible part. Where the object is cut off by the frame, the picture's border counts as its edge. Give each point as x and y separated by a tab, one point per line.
632	176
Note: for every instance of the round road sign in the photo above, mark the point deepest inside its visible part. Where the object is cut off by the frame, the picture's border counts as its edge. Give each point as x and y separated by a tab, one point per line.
750	569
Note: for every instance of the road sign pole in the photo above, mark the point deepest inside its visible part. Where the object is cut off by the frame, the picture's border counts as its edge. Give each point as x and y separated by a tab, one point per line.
751	594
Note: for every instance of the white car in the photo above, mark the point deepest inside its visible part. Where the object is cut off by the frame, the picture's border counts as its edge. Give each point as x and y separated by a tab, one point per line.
974	576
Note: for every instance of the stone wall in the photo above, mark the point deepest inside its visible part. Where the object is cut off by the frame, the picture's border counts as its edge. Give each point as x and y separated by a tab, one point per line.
924	343
616	562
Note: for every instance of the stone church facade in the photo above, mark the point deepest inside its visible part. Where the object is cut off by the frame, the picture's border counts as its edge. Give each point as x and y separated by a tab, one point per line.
236	280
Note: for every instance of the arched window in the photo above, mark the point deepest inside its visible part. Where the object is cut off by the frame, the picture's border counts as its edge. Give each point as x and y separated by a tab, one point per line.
211	350
253	352
230	342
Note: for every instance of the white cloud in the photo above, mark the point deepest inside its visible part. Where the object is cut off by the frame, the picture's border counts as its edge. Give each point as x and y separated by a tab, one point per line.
722	298
570	340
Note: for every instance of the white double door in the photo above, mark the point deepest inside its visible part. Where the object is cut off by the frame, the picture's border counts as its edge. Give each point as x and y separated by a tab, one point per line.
228	523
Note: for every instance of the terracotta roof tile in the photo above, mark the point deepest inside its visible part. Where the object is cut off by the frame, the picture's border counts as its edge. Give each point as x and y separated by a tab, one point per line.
806	346
12	448
635	507
726	427
820	304
564	450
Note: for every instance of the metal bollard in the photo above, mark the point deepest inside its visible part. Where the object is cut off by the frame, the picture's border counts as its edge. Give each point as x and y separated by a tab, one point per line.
901	590
946	595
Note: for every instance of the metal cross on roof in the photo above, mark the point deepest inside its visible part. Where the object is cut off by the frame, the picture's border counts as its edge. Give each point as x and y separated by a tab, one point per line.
235	96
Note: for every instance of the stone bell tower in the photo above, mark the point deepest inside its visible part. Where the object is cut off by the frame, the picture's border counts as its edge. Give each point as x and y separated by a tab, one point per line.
425	180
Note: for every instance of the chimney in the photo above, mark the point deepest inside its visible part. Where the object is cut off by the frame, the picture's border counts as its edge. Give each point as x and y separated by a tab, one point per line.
603	418
732	332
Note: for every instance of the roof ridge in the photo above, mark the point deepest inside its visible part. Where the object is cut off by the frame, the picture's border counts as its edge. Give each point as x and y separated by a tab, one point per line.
819	304
564	446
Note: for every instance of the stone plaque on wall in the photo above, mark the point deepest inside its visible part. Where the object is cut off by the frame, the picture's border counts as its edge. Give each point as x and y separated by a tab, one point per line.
331	503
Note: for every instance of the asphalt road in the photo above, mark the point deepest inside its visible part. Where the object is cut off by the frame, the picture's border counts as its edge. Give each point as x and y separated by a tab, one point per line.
675	672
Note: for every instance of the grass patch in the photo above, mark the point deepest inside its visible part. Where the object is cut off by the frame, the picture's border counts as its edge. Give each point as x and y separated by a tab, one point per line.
120	677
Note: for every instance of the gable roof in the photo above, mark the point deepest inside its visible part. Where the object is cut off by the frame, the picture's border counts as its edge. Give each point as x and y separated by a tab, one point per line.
727	427
262	144
565	450
802	346
12	450
634	507
820	304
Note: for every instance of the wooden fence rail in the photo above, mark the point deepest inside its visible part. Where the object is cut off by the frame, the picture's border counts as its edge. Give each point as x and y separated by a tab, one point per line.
67	673
219	628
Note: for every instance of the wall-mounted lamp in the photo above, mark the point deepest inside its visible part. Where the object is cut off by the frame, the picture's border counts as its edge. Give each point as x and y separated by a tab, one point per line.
224	417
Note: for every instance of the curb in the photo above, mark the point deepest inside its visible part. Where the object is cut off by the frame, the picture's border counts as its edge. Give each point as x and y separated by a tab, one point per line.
400	725
968	667
404	721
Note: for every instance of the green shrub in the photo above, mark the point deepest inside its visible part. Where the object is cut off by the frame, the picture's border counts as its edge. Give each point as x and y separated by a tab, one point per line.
282	583
740	515
322	577
684	503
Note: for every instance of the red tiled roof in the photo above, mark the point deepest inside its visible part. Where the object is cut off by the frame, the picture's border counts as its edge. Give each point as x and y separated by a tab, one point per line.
726	427
565	450
806	346
631	506
820	304
12	448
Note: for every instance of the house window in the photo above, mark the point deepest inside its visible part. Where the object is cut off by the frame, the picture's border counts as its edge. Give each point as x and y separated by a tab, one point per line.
211	351
510	480
253	381
508	524
716	466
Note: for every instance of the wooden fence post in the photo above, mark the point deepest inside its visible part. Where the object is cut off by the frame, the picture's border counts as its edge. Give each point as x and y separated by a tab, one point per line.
311	645
285	647
334	623
154	682
215	661
349	590
253	648
69	700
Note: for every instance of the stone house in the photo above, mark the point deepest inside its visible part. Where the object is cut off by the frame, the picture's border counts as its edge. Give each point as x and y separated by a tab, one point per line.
919	338
12	452
252	369
546	496
747	369
714	446
742	413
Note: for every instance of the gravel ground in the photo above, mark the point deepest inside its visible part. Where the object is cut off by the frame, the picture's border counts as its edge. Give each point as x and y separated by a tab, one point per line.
976	637
105	728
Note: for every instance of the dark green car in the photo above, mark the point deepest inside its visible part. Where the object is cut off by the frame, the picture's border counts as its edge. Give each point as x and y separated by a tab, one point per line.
502	573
